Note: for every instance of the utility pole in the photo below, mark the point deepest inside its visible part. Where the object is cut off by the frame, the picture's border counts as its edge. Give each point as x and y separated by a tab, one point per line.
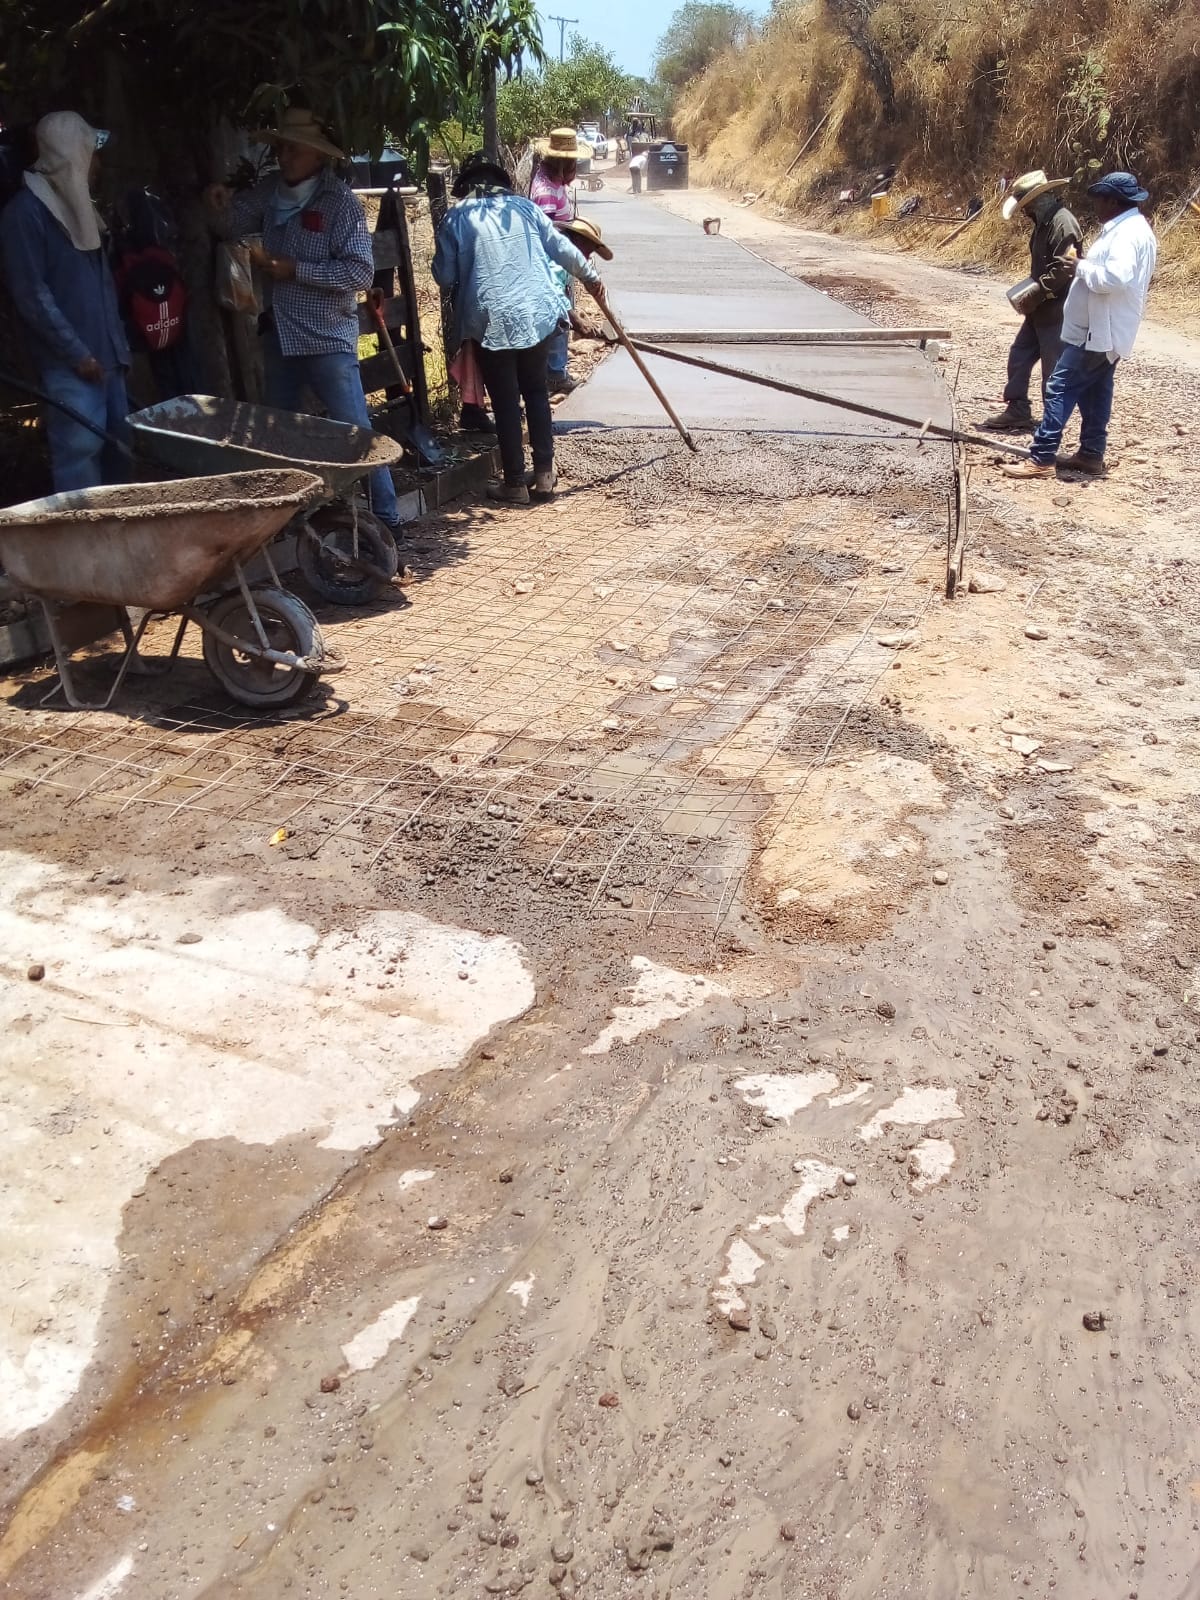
563	24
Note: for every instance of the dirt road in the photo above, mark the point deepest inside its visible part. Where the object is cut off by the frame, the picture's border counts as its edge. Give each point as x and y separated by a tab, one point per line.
799	1201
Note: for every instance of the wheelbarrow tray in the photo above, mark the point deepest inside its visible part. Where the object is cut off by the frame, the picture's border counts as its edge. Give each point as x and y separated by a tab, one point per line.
198	433
153	545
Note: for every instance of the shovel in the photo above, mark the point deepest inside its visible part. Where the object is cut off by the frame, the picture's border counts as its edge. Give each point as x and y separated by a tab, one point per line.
427	446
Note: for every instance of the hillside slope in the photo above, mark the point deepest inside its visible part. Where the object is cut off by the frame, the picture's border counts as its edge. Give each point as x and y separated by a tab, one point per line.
954	99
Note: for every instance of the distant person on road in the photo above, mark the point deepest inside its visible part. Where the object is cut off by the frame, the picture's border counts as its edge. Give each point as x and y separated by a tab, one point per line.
1103	313
637	168
1054	247
556	161
65	297
494	251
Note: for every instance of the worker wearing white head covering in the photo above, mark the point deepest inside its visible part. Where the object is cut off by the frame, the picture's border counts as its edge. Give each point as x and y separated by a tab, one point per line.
61	175
63	292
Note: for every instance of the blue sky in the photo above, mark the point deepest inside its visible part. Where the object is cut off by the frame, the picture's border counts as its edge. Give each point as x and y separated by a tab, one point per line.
629	28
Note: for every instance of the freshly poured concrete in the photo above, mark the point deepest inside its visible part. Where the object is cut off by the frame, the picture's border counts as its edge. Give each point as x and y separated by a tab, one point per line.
667	273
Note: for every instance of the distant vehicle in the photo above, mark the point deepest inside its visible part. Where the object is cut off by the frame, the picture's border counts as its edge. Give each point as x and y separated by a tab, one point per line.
590	133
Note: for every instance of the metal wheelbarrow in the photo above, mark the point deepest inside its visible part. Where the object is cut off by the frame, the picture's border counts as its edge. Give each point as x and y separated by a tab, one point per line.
343	550
173	548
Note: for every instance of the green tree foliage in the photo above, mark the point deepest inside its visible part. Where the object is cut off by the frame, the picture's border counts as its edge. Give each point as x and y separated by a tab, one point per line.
696	35
362	65
587	85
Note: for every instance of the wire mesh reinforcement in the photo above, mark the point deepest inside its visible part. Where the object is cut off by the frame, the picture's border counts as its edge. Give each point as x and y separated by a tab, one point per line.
595	696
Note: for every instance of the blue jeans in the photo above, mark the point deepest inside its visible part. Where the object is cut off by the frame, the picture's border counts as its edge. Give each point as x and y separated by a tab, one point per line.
335	381
556	363
79	459
1082	378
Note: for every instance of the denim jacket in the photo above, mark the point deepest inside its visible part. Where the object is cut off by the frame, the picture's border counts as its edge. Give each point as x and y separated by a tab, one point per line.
494	252
65	298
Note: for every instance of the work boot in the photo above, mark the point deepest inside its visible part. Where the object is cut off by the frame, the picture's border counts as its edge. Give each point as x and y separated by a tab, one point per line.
543	483
561	383
1028	469
474	419
1084	461
1011	420
509	494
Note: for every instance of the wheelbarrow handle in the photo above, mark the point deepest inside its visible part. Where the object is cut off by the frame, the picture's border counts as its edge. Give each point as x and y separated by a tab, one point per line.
22	387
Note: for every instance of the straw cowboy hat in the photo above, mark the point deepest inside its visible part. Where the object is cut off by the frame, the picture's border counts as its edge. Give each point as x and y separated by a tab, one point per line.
561	145
579	228
1028	187
299	126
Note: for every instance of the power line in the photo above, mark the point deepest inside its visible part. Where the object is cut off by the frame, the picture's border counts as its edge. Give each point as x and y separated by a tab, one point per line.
563	24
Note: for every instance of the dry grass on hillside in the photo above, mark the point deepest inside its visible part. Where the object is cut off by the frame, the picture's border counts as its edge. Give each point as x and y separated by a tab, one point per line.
982	88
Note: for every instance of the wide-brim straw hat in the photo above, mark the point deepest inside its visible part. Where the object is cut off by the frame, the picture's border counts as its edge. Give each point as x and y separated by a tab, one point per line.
562	144
298	126
582	228
1028	187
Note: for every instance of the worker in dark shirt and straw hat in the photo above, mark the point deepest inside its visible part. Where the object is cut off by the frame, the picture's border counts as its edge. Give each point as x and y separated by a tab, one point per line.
1054	247
315	254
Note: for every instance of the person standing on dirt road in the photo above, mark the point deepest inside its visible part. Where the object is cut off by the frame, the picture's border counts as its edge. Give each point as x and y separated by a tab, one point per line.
494	251
1054	246
316	255
1103	313
64	294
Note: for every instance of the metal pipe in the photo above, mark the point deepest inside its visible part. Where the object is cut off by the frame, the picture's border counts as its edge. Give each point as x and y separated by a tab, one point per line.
790	335
831	399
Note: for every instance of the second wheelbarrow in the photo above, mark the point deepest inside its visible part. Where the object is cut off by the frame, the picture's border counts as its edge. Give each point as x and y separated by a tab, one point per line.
344	551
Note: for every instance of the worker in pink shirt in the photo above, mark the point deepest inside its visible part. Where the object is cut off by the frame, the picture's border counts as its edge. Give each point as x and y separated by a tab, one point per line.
555	162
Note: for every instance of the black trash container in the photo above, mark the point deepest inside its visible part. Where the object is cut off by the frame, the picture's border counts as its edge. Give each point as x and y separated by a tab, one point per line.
668	166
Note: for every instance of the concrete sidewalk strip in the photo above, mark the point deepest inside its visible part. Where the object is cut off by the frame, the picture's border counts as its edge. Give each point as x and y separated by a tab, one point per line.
659	261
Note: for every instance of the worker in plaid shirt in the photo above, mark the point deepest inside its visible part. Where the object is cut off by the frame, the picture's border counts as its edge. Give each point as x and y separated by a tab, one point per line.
315	257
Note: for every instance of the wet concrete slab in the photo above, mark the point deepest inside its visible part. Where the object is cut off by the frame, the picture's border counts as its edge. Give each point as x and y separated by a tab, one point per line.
667	273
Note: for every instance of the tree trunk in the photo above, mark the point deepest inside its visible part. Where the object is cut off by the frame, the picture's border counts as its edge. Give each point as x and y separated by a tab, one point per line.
852	18
491	127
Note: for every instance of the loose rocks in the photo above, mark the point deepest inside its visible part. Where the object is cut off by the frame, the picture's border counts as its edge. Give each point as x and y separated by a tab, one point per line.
36	972
1095	1321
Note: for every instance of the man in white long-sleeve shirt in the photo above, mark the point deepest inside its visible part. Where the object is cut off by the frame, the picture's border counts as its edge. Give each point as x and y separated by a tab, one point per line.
1103	312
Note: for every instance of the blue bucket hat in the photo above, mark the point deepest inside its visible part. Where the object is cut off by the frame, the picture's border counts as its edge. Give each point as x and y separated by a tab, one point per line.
1120	186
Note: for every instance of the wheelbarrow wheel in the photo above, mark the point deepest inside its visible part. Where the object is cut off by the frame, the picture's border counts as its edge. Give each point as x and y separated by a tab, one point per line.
289	625
326	556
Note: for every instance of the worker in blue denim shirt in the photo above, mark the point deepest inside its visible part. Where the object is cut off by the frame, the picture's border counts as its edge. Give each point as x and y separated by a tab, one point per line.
315	256
494	252
63	292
